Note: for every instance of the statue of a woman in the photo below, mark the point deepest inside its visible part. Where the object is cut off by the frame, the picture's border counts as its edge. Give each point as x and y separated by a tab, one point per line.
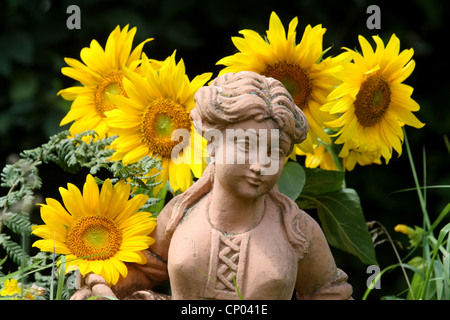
233	234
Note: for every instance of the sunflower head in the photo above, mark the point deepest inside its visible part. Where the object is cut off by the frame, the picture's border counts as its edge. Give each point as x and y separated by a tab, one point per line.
101	75
98	231
298	66
157	106
372	101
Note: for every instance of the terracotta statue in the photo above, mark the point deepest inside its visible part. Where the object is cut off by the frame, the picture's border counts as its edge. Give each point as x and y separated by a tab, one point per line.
233	234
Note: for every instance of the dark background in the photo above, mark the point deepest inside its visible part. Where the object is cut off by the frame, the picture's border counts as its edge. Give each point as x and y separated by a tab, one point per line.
34	40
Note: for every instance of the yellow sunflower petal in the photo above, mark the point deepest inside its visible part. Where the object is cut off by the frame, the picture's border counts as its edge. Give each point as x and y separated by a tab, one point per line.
137	243
129	256
51	246
121	192
408	117
130	208
120	266
91	195
71	204
180	176
135	155
106	194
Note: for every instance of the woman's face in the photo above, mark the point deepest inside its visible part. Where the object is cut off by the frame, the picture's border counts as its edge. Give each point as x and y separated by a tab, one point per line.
250	159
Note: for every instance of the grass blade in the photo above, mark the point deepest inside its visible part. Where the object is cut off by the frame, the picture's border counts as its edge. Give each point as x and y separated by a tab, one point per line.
62	273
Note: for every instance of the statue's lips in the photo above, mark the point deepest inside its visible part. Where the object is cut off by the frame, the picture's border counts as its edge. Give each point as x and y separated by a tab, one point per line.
254	181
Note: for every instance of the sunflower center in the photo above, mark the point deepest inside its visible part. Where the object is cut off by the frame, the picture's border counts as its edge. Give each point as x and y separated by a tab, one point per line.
294	78
161	118
372	100
94	238
109	84
163	125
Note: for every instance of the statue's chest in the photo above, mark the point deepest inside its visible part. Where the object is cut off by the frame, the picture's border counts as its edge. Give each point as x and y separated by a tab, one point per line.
204	263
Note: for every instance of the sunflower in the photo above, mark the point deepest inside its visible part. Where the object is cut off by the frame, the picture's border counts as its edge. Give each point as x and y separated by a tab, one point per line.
372	101
96	231
298	66
101	75
156	106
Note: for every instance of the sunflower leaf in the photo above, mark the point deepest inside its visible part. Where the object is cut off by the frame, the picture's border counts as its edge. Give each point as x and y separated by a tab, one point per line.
320	181
343	222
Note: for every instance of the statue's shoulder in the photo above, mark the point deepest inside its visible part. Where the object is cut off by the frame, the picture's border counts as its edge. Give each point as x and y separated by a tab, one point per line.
165	220
168	209
174	211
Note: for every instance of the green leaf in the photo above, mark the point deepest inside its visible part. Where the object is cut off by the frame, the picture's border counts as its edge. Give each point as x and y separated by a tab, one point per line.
156	208
18	223
320	181
3	260
343	222
292	180
13	250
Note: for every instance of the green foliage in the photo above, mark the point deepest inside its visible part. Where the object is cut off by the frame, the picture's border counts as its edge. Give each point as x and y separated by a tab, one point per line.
320	181
339	211
22	179
18	223
430	279
338	208
85	150
73	153
13	249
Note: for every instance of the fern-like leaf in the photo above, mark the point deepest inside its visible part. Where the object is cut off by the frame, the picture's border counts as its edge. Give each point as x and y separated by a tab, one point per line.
14	250
18	223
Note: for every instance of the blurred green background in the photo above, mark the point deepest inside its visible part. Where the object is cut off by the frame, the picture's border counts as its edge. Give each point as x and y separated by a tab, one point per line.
34	40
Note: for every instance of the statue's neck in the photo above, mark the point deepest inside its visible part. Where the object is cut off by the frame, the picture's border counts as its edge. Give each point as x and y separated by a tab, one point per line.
233	214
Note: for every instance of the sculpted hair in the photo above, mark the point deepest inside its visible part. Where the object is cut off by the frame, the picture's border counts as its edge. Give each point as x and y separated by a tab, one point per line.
219	105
